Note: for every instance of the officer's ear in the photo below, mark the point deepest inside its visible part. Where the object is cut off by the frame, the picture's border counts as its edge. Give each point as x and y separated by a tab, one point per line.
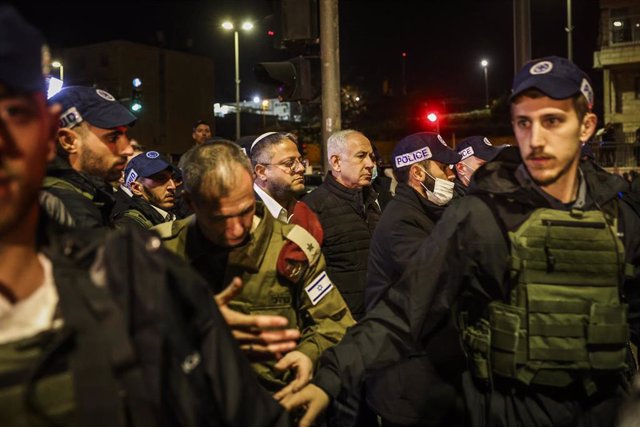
69	140
459	169
416	173
588	127
136	188
335	163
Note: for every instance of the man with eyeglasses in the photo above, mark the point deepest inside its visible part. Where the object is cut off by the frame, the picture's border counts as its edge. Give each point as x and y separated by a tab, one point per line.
92	150
280	265
279	180
150	178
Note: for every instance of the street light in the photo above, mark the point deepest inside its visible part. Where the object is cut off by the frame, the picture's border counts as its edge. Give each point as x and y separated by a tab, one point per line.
58	64
246	26
485	64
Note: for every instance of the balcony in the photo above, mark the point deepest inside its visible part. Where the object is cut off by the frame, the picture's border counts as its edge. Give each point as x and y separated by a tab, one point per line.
622	46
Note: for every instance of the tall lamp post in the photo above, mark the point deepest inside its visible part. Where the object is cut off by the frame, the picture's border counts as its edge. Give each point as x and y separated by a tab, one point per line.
246	26
58	64
485	64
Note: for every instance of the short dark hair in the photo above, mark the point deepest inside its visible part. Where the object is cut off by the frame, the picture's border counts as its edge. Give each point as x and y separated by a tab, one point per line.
261	153
212	167
200	122
580	103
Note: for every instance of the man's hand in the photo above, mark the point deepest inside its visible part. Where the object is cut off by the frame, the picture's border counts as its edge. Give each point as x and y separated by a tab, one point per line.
312	398
258	335
304	371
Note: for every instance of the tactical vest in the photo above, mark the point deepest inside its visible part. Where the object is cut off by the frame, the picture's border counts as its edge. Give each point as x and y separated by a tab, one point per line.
28	401
565	318
55	182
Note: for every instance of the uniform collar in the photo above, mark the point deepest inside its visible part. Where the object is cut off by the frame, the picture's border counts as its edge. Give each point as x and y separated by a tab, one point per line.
275	208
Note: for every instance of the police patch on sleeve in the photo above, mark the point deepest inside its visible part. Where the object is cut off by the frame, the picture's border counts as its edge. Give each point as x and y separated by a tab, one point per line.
319	288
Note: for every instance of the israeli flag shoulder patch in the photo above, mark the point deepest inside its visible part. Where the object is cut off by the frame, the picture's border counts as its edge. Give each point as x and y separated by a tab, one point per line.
319	287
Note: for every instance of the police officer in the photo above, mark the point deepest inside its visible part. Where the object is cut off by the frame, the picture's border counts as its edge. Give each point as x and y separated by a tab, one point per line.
475	152
281	265
420	161
92	152
539	263
150	179
95	330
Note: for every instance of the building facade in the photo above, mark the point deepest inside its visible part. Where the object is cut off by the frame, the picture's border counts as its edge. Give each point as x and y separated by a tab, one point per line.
177	88
619	60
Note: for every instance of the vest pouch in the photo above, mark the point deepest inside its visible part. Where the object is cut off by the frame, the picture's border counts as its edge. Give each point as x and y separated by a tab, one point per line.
477	340
607	336
507	337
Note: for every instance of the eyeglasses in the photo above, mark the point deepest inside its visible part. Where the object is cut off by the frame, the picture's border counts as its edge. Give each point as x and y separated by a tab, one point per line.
289	165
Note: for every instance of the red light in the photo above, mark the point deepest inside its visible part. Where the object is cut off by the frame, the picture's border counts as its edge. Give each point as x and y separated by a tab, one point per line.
432	117
404	54
271	33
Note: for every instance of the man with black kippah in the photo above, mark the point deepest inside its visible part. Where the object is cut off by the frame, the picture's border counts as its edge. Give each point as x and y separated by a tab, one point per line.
538	265
474	151
99	327
92	151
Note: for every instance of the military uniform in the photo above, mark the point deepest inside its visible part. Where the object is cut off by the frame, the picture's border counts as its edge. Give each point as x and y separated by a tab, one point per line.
282	269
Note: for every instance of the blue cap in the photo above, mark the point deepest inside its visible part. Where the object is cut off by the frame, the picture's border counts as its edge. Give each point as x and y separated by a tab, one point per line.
478	146
422	146
145	165
21	52
96	106
556	77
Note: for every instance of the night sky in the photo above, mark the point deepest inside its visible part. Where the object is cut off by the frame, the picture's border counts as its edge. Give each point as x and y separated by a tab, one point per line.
444	40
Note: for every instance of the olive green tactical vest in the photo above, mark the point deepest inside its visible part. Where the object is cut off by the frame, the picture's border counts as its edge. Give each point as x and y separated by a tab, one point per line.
565	318
50	394
55	182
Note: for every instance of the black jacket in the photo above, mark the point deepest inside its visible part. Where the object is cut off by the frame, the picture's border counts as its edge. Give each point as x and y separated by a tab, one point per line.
466	259
134	211
75	199
143	338
403	226
397	393
348	218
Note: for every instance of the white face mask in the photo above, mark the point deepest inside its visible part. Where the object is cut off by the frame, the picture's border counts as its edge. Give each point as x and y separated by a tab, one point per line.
442	190
374	173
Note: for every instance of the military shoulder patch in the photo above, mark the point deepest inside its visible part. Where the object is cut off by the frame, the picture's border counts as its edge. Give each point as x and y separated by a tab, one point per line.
307	243
319	288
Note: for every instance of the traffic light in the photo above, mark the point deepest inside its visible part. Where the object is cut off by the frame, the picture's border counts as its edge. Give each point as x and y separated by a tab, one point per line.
136	95
295	22
433	120
295	79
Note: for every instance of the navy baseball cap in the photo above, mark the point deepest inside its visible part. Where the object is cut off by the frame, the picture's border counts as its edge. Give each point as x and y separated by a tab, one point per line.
96	106
145	165
556	77
422	146
478	146
21	53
